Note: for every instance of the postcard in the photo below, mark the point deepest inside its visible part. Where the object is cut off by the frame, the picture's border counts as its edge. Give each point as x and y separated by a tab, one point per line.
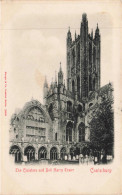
61	97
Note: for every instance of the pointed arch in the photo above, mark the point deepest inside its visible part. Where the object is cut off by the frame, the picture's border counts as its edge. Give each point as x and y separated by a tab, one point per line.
73	87
81	132
42	153
69	130
53	153
16	152
30	153
78	87
63	152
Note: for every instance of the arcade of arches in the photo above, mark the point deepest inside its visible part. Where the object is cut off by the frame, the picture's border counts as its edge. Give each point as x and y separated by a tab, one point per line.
44	153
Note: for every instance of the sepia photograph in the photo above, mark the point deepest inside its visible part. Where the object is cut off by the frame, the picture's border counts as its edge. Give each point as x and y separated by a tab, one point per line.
61	98
74	123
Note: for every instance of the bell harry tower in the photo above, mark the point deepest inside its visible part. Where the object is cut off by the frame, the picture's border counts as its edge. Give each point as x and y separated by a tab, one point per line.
83	61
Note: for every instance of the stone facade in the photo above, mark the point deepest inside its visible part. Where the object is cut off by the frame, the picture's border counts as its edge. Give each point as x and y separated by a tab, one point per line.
53	130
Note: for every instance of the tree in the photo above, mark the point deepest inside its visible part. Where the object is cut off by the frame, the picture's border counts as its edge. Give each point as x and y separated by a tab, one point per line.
102	125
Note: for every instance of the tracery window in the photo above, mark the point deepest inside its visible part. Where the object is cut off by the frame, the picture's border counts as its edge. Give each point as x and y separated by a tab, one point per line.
69	106
42	153
69	128
81	130
16	152
53	153
73	87
30	153
36	114
73	58
55	136
78	87
63	152
51	111
78	54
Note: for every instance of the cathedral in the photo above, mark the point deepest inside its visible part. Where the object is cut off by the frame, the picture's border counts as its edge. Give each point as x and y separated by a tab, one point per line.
59	129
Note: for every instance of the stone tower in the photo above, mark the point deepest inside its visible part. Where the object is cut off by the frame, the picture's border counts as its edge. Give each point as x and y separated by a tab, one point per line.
83	61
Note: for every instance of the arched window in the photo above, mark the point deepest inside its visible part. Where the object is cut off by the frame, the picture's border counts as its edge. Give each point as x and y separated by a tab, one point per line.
53	153
90	53
90	83
73	58
51	111
69	128
42	153
94	84
81	130
80	108
30	153
63	152
15	151
78	54
73	87
55	136
94	57
69	106
78	87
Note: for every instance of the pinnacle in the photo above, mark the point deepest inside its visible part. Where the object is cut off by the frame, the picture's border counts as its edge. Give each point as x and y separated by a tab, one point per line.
60	67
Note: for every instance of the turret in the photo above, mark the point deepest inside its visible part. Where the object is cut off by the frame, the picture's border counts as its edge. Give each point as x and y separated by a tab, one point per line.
97	57
84	28
97	35
64	90
55	84
45	90
60	76
84	56
92	33
69	38
69	45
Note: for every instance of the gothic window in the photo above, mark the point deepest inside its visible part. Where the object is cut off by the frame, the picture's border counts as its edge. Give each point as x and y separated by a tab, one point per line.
78	87
42	153
90	53
51	111
81	130
16	152
80	109
94	58
55	136
73	58
63	152
30	153
69	128
73	87
69	106
53	153
35	113
94	84
78	54
90	83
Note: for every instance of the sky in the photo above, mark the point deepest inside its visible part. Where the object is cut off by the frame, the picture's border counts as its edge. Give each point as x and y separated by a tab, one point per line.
34	44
